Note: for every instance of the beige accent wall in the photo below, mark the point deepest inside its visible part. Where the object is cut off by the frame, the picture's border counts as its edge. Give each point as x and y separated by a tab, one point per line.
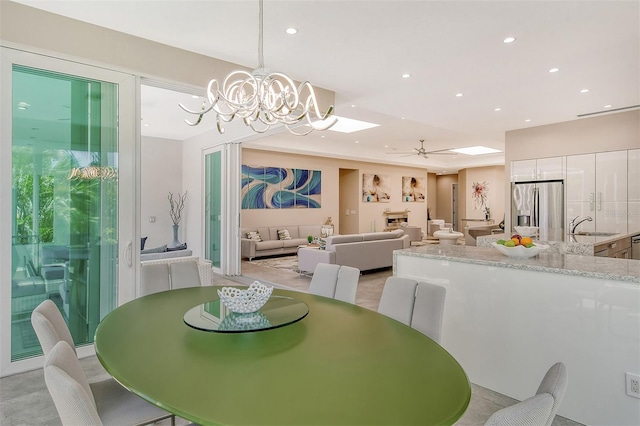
432	191
370	215
610	132
348	218
444	196
495	177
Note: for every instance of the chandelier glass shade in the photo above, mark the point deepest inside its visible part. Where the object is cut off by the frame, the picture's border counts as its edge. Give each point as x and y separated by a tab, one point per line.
262	99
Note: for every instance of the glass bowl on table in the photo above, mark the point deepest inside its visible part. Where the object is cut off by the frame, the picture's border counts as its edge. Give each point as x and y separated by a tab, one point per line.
245	301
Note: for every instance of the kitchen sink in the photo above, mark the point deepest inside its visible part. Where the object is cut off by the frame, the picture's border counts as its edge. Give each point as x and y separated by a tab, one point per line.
596	234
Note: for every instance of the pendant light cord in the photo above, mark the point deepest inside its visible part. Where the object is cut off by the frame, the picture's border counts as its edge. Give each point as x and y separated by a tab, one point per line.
260	38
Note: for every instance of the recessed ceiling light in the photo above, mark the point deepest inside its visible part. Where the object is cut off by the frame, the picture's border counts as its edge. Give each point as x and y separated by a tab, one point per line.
23	105
357	142
146	125
584	90
402	118
607	106
476	150
195	96
405	75
291	31
509	40
386	146
527	120
353	106
554	70
498	109
458	95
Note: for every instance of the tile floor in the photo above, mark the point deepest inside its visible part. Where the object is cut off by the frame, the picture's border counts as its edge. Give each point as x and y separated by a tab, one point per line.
24	399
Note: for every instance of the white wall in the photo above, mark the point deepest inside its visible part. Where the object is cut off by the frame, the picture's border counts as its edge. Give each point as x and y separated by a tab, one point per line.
160	173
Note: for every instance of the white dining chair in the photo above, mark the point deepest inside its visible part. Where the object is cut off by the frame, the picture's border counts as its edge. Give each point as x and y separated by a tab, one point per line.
154	278
324	280
50	326
419	305
78	403
541	408
428	310
347	284
184	274
398	295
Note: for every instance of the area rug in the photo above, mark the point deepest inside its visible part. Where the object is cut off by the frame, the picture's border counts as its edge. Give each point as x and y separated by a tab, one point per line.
287	263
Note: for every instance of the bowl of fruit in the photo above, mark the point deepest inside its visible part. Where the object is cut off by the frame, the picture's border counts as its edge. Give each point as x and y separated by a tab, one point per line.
518	246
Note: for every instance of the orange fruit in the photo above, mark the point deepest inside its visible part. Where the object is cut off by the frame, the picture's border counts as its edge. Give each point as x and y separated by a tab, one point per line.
516	241
526	240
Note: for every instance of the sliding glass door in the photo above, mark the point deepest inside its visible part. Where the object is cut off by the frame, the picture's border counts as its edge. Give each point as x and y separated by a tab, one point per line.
67	166
222	207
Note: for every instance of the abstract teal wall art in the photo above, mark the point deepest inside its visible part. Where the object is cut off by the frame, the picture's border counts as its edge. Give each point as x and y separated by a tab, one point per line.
280	188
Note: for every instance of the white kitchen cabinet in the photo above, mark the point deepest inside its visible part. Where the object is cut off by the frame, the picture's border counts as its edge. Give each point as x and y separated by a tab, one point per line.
549	168
523	170
581	179
611	191
596	186
633	190
539	169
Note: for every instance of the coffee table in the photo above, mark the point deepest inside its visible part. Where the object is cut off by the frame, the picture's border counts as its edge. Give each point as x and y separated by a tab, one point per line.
340	365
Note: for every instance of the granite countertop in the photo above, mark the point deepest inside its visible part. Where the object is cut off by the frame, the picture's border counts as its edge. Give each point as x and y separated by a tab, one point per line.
574	244
552	262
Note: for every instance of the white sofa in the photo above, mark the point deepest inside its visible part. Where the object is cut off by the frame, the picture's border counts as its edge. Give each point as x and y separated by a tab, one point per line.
165	255
271	245
363	251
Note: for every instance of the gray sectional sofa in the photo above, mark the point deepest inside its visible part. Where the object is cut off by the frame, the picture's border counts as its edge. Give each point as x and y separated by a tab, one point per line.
271	245
363	251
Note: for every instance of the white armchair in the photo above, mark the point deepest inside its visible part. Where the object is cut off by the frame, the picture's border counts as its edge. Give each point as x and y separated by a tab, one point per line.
437	225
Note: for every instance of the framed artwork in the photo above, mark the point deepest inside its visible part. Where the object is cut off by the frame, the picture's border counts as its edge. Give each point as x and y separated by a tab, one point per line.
375	188
413	189
280	188
479	193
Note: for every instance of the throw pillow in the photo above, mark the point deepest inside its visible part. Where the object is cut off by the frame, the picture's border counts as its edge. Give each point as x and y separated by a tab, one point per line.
283	234
160	249
143	241
254	235
176	248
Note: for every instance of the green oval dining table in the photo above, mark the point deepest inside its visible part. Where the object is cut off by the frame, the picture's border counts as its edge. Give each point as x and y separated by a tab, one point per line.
340	365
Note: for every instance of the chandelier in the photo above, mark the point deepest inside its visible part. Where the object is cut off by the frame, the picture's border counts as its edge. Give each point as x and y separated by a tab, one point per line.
262	99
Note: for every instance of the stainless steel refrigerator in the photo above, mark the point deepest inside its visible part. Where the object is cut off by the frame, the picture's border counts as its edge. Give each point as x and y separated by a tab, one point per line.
539	204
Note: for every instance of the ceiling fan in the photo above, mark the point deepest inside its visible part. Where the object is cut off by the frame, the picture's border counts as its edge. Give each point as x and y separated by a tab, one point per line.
422	152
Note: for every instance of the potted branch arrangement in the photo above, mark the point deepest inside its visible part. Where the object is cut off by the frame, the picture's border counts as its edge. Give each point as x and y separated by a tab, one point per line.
177	205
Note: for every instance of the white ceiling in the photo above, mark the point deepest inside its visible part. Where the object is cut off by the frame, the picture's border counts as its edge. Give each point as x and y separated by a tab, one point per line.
360	49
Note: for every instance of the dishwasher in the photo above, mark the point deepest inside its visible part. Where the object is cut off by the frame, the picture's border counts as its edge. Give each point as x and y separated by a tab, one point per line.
635	247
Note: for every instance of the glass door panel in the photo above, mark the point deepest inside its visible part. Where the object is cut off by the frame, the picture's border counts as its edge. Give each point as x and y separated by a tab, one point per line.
213	208
64	209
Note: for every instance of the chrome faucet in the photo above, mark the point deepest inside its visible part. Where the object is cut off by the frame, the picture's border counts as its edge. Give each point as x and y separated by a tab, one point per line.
573	225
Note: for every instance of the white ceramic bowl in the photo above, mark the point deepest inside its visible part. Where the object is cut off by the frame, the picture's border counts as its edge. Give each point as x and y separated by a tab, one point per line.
245	301
520	251
526	231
